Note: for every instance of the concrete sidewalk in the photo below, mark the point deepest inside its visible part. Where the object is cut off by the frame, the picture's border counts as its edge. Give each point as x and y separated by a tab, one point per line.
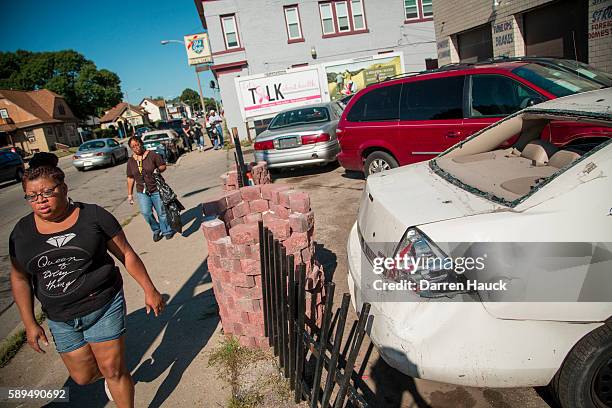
167	355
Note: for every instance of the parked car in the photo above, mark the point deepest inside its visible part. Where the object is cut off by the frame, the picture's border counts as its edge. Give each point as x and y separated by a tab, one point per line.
166	143
553	324
575	67
14	149
414	118
99	152
300	137
11	166
142	130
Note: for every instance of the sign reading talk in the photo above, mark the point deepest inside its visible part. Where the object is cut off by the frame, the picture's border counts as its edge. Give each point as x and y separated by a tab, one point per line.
266	94
198	49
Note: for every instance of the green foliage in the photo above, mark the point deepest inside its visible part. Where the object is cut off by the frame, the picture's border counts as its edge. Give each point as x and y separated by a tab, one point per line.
192	98
87	90
104	133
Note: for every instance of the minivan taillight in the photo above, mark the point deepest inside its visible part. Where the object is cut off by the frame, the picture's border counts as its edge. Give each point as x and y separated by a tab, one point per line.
310	139
265	145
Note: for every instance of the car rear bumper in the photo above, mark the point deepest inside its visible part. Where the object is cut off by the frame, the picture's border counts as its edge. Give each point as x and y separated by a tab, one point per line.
460	342
317	153
91	161
350	160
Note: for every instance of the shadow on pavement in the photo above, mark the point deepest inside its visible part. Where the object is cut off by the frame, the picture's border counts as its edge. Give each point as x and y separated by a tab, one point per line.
6	184
189	194
353	175
302	171
187	324
328	260
194	214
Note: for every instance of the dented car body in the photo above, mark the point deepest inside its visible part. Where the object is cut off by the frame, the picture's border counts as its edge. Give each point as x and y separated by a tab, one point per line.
532	194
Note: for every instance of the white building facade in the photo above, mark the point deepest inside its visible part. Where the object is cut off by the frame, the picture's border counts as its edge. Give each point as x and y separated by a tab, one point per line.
275	37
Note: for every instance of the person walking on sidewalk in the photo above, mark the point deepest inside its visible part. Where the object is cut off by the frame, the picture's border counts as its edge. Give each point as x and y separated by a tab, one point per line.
186	134
139	171
60	253
215	120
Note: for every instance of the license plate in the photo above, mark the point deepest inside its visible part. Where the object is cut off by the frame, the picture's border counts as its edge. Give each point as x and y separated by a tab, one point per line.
87	164
287	142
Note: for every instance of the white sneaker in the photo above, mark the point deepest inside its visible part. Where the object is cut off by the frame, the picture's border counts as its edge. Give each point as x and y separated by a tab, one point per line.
107	391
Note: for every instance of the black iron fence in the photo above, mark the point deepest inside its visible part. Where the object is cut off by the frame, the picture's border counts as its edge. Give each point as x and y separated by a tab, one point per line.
304	351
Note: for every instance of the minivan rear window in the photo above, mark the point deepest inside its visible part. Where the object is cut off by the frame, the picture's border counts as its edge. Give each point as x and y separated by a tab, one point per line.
379	104
433	99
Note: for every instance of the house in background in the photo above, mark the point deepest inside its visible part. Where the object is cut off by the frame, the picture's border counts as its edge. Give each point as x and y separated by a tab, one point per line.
122	118
179	110
36	120
156	108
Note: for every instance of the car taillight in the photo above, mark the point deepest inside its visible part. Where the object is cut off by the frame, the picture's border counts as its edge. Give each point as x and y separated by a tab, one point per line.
75	157
265	145
420	259
100	154
310	139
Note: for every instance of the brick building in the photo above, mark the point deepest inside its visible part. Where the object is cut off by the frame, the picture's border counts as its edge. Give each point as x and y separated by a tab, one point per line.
474	30
36	120
250	38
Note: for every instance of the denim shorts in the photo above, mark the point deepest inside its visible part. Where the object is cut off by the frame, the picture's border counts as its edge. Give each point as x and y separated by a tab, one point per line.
104	324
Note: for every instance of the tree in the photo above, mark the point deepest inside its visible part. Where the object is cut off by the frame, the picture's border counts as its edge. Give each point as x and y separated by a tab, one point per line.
191	98
87	90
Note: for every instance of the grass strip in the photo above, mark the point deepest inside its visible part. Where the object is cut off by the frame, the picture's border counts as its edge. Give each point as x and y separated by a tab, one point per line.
12	345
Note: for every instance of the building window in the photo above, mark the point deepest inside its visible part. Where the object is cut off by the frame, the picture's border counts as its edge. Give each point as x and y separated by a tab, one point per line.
418	9
327	18
61	109
427	8
292	20
341	17
4	114
358	15
30	136
230	31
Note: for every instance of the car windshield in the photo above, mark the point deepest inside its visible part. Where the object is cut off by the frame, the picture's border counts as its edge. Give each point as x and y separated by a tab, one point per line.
94	144
555	81
300	117
155	136
587	71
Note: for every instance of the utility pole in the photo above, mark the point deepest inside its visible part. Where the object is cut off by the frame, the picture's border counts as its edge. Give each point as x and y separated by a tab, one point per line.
200	89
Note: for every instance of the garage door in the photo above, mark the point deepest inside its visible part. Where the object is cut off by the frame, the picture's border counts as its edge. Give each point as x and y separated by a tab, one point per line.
558	30
475	45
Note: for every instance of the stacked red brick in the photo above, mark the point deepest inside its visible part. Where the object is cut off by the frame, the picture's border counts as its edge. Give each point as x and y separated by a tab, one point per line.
233	252
259	172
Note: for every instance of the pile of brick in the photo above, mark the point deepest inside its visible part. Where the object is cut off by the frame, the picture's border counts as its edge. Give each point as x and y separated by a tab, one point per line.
259	173
231	229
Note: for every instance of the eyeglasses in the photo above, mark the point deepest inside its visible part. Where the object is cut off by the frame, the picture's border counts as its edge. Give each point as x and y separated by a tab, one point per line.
46	193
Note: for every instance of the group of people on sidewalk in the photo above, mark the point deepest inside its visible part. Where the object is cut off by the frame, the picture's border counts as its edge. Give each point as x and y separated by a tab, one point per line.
192	132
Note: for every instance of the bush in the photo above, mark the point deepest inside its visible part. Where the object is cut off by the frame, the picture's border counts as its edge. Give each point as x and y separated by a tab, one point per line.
104	133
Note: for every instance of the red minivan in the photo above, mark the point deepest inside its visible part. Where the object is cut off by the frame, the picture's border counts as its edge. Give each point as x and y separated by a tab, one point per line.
411	119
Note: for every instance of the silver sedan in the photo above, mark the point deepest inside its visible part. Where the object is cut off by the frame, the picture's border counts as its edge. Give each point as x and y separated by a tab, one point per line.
300	137
99	152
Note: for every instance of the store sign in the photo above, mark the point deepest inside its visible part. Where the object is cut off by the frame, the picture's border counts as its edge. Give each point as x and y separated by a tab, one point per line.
348	77
600	23
198	49
503	33
267	94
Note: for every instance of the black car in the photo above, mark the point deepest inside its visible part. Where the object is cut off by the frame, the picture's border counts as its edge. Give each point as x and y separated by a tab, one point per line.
14	149
11	166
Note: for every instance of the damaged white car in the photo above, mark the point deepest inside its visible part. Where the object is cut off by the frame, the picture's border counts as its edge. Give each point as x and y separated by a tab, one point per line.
491	266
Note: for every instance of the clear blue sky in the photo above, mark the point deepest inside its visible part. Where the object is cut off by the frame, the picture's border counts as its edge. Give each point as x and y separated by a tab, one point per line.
122	36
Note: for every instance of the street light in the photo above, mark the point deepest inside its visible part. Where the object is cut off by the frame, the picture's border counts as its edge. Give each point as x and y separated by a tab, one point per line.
164	42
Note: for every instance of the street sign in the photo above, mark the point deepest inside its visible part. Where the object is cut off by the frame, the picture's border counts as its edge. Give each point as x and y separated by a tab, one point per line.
198	49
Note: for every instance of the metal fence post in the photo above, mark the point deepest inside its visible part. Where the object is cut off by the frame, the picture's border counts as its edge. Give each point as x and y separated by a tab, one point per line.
333	362
301	311
350	363
329	302
262	266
